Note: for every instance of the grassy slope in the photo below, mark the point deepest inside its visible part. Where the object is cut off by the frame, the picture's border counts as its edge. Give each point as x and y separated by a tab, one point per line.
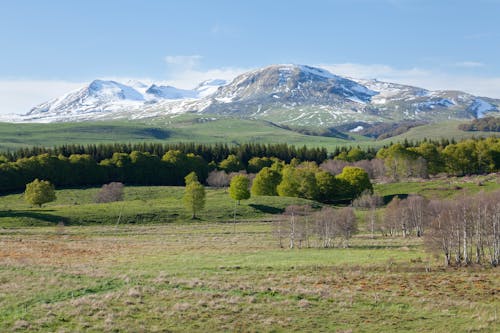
185	128
448	129
161	204
190	128
441	188
207	276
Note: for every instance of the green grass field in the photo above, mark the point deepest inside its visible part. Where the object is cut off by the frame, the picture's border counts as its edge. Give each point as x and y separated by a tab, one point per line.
171	130
203	277
191	128
163	204
447	129
159	271
142	205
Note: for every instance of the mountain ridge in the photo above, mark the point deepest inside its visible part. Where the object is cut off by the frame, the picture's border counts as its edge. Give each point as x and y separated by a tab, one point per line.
296	95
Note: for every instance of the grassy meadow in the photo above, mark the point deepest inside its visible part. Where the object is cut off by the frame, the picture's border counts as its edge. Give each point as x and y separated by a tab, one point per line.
158	271
193	128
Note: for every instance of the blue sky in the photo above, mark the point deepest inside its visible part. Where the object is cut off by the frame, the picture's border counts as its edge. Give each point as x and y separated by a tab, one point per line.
48	47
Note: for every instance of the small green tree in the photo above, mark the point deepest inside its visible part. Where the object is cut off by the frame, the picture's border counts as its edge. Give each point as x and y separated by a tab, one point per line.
39	192
238	189
190	178
194	195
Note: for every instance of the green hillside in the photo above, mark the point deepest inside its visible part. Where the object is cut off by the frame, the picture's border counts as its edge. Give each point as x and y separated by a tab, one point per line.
182	128
190	128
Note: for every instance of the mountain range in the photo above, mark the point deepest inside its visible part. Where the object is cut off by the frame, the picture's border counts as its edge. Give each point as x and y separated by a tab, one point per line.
291	95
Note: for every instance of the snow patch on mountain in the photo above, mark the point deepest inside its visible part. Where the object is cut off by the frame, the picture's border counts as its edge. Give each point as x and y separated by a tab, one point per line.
209	87
480	107
169	92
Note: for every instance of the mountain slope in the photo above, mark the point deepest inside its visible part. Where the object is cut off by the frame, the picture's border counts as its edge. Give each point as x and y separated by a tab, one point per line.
293	95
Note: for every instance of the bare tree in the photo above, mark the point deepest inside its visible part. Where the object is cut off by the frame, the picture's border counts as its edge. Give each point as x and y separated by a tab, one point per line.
465	228
439	237
369	201
378	168
334	167
279	229
218	179
392	216
375	167
298	226
110	192
324	227
345	224
418	214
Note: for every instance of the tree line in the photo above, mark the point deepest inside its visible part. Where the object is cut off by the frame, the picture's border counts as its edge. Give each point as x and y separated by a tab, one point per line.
213	152
101	164
486	124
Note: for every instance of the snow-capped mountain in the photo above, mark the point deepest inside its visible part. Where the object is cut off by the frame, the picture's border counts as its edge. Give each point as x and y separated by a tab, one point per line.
308	96
285	86
286	94
110	100
169	92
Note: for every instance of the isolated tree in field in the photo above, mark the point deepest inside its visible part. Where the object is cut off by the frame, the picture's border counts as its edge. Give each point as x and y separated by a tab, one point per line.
238	189
39	192
110	192
194	195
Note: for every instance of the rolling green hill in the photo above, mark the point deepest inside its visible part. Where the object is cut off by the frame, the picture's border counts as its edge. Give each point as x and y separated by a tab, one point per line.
191	128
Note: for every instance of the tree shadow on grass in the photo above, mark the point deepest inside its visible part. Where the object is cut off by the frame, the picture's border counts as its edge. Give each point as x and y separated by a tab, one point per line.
382	247
267	209
388	198
35	215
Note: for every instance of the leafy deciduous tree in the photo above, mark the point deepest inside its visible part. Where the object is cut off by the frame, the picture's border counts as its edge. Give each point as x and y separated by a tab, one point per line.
194	195
39	192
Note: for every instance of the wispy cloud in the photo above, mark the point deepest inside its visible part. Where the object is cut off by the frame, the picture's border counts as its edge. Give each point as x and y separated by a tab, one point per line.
183	61
19	96
222	30
185	72
373	71
422	77
468	64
